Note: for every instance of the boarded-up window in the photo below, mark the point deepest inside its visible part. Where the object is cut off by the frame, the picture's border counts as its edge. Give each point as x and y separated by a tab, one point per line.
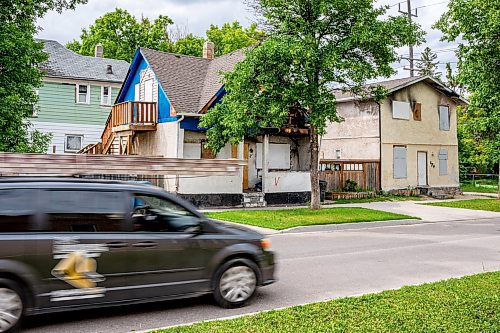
278	158
444	118
417	112
401	110
400	162
443	162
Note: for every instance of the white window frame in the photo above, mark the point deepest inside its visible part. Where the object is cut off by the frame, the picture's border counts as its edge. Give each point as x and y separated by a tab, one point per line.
66	150
77	91
103	101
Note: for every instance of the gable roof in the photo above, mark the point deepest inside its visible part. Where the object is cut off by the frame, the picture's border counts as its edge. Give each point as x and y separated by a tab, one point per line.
190	82
64	63
398	84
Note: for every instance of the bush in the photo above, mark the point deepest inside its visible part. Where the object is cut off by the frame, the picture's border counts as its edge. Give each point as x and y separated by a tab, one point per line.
350	186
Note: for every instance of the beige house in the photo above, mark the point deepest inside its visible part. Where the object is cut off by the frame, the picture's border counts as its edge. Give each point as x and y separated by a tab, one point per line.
408	141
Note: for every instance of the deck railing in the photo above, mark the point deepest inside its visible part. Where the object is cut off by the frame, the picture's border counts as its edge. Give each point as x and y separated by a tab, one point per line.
134	113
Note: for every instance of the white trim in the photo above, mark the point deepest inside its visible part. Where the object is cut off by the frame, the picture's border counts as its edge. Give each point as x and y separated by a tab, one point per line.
83	81
77	92
109	96
66	150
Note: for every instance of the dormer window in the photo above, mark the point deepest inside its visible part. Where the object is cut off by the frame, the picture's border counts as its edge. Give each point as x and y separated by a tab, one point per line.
82	94
106	96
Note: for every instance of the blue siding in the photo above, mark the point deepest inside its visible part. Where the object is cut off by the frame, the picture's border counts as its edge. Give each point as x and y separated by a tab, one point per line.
128	93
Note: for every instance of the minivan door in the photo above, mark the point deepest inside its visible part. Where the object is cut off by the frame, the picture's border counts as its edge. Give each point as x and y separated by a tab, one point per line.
168	261
83	255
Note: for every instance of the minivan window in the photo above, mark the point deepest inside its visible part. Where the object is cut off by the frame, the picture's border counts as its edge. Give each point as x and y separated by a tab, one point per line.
156	214
84	211
17	210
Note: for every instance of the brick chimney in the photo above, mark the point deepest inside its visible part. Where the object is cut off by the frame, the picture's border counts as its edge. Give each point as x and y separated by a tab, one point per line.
99	51
209	50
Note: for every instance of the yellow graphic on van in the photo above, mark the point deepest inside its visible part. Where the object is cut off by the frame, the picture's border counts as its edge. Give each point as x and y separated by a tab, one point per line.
78	270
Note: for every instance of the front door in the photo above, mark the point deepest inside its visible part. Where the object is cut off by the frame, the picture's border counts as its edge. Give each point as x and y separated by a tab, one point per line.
422	168
245	168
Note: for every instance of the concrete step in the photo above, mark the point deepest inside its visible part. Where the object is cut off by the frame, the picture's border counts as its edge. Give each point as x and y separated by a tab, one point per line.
254	200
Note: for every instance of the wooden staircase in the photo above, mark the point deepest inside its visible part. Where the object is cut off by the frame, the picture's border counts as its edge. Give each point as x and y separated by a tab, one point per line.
124	122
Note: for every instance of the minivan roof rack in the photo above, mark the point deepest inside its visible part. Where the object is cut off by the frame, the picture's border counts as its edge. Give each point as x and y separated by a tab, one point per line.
81	165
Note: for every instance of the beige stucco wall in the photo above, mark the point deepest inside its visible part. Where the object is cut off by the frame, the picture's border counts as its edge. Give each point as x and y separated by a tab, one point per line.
357	137
423	135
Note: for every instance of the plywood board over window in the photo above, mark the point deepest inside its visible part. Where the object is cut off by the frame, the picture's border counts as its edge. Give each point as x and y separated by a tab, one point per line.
279	156
444	117
400	162
417	112
401	110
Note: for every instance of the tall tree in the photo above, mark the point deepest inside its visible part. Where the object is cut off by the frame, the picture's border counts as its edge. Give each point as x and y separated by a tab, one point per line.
20	57
428	64
312	47
232	36
121	34
475	24
190	45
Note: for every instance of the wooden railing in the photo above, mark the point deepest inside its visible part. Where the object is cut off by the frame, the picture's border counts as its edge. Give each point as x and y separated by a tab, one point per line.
134	113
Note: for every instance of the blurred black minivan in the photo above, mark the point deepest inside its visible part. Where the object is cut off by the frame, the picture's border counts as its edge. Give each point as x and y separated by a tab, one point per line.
72	244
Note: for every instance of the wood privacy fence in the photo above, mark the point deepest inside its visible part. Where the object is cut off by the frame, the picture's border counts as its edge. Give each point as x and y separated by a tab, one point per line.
72	165
365	173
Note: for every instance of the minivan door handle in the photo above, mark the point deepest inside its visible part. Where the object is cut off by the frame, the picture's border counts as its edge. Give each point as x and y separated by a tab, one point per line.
146	244
116	245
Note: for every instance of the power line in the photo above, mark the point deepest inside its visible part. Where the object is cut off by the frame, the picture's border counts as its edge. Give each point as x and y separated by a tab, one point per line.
432	4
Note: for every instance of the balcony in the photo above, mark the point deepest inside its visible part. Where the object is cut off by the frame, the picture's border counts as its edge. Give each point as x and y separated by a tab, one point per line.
133	116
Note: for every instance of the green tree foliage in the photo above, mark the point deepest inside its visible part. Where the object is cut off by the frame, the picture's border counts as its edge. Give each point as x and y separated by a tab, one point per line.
232	36
20	57
121	34
190	45
312	47
476	25
428	64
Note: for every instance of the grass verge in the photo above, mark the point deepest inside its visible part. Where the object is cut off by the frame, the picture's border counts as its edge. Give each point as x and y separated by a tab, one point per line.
479	188
469	304
289	218
492	205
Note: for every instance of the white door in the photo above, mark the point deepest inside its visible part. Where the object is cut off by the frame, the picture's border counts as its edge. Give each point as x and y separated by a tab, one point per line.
148	91
422	168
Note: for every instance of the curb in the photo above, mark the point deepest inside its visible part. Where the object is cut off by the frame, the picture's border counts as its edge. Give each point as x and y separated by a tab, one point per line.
351	226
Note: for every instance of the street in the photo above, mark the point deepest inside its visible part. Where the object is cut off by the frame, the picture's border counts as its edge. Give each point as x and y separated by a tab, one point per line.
319	266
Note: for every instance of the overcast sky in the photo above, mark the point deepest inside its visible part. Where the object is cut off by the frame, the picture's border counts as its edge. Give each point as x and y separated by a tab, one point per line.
197	15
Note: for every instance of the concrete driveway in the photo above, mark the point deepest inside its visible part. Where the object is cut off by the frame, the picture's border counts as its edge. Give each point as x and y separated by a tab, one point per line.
427	213
317	266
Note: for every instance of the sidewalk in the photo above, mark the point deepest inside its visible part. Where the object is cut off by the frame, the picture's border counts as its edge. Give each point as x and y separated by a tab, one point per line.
478	194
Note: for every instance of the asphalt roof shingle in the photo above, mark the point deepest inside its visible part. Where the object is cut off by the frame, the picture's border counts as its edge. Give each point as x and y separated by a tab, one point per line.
64	63
190	82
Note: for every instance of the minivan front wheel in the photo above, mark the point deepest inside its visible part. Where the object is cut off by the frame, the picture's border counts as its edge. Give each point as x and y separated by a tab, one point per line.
11	306
235	283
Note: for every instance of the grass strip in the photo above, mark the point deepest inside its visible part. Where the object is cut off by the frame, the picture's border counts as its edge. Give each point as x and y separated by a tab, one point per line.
469	304
492	205
289	218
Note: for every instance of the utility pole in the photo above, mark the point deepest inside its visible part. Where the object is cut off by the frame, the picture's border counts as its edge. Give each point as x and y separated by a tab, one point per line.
410	18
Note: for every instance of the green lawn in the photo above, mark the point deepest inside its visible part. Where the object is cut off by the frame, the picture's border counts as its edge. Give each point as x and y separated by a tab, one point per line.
480	188
492	205
470	304
379	198
289	218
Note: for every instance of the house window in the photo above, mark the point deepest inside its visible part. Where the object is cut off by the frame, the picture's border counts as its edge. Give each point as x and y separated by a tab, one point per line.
106	96
444	118
338	154
73	143
443	162
401	110
399	162
353	167
137	92
82	94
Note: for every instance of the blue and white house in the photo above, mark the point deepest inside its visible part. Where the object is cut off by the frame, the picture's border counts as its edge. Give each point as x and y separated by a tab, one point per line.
157	113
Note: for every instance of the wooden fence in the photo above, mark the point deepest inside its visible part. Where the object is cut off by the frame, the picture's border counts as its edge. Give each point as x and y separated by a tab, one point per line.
365	173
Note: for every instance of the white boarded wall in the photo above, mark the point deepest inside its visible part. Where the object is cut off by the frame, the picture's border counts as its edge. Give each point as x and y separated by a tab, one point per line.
282	182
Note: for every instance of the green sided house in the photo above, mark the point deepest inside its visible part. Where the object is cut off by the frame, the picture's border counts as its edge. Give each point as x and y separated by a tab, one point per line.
76	97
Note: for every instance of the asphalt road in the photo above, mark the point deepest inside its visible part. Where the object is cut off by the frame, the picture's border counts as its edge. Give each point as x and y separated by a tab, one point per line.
320	266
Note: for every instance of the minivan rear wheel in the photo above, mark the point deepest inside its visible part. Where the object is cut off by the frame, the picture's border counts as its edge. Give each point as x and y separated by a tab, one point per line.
235	283
11	306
